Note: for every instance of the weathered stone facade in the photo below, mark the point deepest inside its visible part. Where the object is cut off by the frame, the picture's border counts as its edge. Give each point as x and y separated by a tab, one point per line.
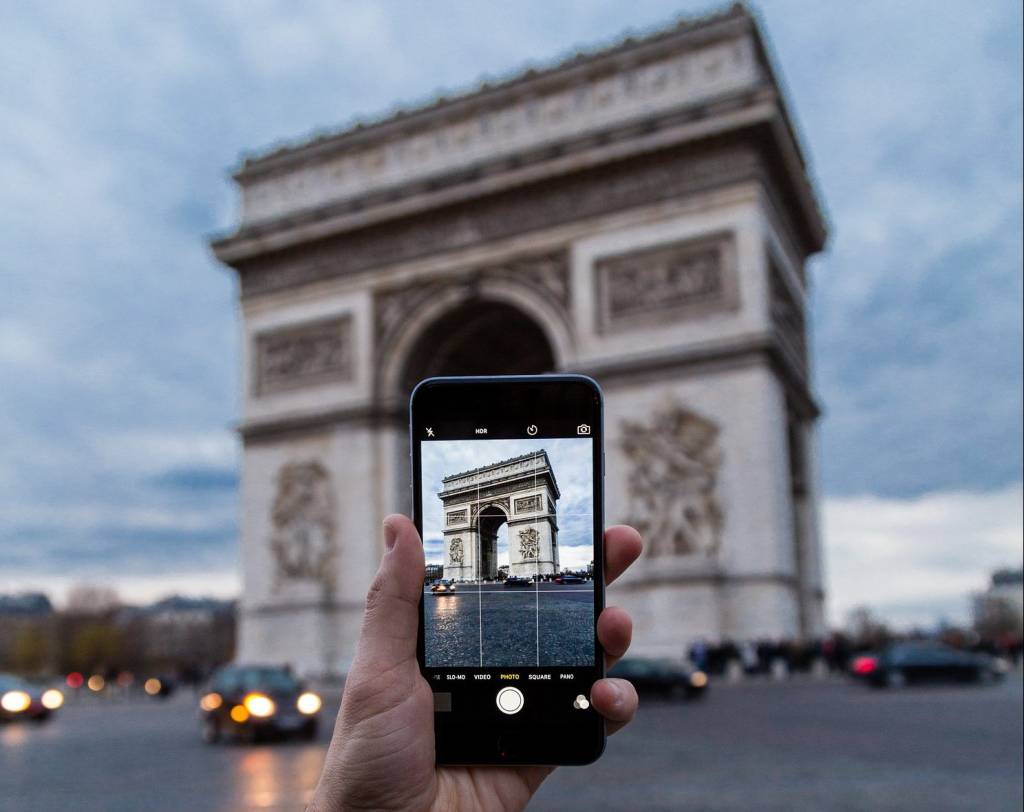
641	214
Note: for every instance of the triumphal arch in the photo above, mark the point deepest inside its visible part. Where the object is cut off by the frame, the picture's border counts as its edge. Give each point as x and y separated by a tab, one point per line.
641	213
520	492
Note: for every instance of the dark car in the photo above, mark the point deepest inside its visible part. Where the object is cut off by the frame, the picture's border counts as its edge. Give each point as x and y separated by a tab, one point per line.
20	699
569	579
923	661
443	586
662	677
251	702
514	581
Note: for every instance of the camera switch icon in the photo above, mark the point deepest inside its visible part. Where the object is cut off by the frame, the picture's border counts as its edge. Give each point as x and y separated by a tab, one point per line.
531	430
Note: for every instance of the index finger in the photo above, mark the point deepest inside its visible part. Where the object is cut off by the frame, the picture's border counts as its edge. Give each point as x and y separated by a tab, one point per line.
622	546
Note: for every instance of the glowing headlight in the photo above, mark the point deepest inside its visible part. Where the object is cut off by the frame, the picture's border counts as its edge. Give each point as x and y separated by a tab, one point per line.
152	686
52	699
698	679
259	705
15	701
211	702
96	683
308	703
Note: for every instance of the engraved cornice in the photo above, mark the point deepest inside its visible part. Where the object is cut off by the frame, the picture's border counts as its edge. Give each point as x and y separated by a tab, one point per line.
649	179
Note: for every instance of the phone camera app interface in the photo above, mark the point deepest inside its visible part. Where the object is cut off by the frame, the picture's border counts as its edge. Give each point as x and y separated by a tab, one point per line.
508	531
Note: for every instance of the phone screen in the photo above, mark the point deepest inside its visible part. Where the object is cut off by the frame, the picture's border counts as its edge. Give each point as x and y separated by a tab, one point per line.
508	500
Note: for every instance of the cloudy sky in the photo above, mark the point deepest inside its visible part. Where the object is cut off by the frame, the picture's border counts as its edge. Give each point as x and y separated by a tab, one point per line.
571	461
118	332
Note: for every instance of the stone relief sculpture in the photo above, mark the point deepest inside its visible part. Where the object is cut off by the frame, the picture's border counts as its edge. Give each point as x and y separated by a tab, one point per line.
455	551
303	541
674	462
302	355
529	543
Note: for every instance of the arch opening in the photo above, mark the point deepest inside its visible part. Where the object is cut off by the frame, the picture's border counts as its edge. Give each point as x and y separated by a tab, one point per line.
479	337
489	522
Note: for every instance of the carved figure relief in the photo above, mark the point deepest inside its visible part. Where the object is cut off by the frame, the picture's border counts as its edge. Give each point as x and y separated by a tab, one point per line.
682	278
303	540
673	501
529	543
303	355
455	551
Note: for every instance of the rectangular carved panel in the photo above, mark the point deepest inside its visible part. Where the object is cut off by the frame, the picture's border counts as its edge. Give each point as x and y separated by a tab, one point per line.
304	355
528	504
458	517
666	282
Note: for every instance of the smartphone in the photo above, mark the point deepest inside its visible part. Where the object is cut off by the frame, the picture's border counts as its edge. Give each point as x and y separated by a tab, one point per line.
508	497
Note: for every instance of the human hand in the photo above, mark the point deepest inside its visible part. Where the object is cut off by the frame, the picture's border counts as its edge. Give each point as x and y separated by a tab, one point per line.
382	752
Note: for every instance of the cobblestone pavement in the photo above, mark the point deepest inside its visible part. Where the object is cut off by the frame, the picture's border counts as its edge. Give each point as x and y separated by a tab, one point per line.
492	626
795	745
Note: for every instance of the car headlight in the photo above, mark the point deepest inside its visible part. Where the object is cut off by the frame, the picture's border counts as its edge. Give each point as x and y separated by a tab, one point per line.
259	705
52	699
211	702
308	703
698	679
152	686
96	683
15	701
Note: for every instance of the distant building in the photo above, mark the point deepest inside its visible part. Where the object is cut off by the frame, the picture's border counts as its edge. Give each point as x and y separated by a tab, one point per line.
642	214
25	604
999	610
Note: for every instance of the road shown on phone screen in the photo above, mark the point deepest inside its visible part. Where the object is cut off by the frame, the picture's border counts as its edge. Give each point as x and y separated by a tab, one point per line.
493	625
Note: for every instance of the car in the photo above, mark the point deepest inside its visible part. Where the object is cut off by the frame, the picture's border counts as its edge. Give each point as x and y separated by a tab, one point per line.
514	581
668	678
569	579
922	661
254	702
22	700
443	586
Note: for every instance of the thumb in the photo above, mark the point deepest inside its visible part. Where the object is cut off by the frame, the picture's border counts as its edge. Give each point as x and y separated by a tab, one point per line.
391	621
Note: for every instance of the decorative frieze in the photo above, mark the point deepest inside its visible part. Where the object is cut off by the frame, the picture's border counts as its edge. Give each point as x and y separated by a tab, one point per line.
666	283
457	517
303	355
634	183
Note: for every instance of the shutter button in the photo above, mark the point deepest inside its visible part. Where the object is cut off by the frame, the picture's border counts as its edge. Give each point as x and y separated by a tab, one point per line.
510	700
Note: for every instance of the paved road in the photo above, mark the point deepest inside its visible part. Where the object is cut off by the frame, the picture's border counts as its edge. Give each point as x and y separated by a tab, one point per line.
800	745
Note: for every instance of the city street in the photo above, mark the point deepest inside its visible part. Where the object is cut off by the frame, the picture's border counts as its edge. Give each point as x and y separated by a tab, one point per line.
798	745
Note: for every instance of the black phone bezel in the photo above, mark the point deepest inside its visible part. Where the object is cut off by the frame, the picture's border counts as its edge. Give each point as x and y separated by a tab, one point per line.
497	398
